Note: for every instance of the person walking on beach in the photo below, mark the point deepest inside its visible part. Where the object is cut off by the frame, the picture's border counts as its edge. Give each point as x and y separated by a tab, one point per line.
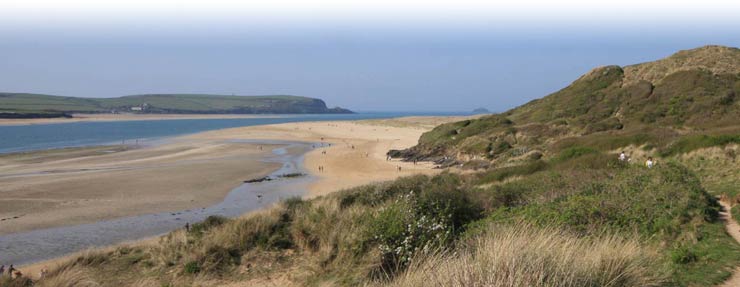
11	269
650	162
2	270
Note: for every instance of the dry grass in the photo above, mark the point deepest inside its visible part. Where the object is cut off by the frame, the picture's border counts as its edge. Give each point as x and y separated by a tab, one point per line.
68	277
529	256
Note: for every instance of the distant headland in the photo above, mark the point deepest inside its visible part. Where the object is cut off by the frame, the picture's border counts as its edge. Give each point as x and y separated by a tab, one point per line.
24	105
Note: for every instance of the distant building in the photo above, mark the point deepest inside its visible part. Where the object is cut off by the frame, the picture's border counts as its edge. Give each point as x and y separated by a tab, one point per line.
137	109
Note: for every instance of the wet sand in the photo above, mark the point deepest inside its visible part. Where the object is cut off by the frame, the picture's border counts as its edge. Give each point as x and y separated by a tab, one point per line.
44	244
83	185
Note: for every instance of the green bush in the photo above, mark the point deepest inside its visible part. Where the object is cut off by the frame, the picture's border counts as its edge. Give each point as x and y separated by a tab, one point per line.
500	174
377	194
422	221
192	267
198	229
682	255
650	201
574	152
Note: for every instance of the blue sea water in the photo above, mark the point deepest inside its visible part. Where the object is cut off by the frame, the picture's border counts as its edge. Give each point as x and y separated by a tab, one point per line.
60	135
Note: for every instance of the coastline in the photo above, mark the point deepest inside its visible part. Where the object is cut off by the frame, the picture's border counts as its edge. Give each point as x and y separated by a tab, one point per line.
344	165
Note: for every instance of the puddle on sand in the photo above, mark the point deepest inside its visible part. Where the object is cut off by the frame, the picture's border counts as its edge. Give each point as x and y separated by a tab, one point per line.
38	245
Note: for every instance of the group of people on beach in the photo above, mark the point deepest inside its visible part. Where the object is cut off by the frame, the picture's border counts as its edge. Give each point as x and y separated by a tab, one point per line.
649	163
11	271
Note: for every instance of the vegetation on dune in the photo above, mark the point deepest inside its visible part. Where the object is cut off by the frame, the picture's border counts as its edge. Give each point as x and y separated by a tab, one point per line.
527	255
634	226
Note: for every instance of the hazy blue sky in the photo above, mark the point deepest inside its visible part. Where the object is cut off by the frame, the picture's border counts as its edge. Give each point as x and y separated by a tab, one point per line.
363	58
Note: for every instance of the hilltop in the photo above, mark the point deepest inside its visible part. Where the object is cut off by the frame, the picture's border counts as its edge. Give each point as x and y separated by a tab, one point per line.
653	105
37	105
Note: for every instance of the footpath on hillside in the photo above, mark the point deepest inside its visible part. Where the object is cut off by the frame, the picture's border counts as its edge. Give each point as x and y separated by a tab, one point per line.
734	230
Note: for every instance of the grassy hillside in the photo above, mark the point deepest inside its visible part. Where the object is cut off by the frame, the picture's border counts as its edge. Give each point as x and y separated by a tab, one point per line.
163	103
686	101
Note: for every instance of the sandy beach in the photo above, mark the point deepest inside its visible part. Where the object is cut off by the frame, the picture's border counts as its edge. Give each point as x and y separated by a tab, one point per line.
354	152
74	186
126	117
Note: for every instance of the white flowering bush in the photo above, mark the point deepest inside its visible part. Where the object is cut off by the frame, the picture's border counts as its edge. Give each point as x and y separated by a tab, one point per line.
411	225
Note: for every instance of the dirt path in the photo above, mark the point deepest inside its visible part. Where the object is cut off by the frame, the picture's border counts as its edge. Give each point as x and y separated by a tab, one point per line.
734	230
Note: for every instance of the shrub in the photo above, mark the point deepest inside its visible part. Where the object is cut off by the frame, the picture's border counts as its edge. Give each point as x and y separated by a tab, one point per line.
694	142
192	267
216	259
422	221
210	222
500	174
574	152
682	255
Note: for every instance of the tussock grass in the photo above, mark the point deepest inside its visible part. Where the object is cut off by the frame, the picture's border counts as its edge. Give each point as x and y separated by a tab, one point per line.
68	277
525	255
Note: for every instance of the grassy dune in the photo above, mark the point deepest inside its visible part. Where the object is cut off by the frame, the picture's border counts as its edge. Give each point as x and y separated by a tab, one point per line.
583	219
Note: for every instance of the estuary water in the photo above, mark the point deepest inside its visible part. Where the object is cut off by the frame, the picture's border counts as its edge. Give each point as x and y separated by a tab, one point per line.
59	135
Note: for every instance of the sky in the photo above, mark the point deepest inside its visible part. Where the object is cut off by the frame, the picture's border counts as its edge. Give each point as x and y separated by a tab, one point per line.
382	55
